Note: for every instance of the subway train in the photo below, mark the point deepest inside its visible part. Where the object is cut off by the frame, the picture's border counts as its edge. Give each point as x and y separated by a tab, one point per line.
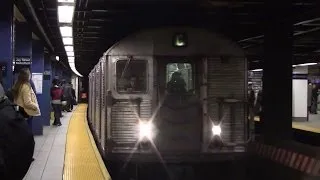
172	94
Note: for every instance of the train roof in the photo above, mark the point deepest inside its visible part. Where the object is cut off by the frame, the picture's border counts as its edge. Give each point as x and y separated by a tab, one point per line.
159	41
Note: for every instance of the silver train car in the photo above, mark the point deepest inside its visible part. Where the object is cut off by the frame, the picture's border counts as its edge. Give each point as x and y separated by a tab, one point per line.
173	94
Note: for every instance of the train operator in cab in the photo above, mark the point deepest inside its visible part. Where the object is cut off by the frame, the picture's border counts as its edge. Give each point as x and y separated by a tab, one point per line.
176	84
133	84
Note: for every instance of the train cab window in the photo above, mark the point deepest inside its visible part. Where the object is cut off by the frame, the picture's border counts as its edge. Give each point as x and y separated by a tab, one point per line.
179	77
131	76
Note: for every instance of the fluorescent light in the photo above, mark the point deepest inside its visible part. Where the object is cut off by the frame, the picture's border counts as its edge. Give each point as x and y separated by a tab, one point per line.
70	53
57	58
256	70
68	48
67	41
71	59
65	14
66	31
66	1
305	64
72	65
73	68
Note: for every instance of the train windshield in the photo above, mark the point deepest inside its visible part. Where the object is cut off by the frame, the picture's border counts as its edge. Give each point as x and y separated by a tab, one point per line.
131	76
179	77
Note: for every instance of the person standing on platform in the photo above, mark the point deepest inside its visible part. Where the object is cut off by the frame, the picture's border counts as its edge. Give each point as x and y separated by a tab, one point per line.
25	97
56	95
67	95
314	99
74	101
16	141
251	99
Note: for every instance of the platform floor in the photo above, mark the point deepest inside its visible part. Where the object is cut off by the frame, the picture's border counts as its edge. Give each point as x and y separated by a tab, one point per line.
313	125
67	152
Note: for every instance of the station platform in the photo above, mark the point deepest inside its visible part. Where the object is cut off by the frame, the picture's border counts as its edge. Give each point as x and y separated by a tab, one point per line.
67	152
313	125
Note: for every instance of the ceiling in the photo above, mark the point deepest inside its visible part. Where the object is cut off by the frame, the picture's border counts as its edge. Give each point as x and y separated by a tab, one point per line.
98	24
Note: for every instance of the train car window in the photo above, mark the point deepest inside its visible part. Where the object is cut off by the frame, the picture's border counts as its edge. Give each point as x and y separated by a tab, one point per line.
131	76
181	73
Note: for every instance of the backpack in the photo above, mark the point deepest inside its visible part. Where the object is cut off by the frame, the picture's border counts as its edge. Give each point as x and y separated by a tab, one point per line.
16	143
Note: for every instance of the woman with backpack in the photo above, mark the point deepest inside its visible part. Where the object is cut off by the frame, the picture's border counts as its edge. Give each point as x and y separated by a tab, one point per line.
25	97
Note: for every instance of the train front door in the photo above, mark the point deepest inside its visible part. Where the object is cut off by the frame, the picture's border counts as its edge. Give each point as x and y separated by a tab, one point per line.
179	120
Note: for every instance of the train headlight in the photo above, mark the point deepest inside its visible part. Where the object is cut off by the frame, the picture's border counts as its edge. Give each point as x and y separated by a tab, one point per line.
216	130
145	129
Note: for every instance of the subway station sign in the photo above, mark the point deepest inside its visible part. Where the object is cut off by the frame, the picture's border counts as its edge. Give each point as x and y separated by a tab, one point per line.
22	60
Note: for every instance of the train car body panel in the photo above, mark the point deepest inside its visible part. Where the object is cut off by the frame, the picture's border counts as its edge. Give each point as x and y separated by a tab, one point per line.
103	88
94	92
98	101
138	87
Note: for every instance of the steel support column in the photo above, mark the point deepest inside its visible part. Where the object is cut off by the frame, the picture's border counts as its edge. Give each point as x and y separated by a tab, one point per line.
277	72
47	79
6	45
37	70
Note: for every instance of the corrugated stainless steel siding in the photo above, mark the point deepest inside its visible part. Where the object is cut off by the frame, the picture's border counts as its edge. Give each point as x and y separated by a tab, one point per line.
227	80
124	129
103	102
89	101
98	99
93	100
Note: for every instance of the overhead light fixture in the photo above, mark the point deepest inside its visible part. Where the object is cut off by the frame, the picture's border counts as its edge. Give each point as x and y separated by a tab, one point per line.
57	58
305	64
72	65
65	14
71	53
67	41
68	48
296	65
71	59
66	31
73	68
66	1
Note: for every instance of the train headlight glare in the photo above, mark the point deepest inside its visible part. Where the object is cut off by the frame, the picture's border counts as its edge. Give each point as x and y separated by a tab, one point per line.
145	130
216	130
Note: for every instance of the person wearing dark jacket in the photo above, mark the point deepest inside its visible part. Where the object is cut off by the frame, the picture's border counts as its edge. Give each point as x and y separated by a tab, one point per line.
56	95
251	100
314	99
67	95
16	141
73	98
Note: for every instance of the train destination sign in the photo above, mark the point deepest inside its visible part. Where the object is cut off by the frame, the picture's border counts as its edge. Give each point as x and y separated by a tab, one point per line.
180	40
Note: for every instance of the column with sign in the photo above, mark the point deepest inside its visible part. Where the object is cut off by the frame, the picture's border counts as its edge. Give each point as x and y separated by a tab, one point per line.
6	45
37	69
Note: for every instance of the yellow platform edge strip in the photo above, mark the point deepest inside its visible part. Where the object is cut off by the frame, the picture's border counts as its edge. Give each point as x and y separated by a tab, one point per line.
97	153
82	111
298	126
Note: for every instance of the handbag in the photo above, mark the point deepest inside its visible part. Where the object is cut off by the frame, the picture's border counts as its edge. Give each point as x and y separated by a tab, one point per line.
63	100
23	112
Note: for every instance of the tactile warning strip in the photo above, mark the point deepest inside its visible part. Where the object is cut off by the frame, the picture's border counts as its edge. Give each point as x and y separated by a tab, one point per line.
82	158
